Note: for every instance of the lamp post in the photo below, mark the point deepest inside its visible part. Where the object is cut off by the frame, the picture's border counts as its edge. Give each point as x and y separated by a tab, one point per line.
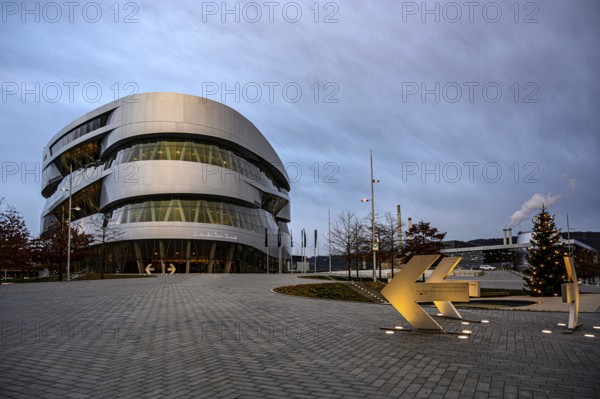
569	228
70	190
329	239
372	200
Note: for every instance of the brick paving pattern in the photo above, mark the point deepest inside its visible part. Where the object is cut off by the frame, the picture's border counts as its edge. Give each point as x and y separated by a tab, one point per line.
229	336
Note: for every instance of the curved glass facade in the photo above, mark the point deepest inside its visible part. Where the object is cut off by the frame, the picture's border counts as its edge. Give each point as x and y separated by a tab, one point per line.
195	211
194	151
186	256
80	131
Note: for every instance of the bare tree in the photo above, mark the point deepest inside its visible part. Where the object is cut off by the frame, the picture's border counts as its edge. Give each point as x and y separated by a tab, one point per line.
388	245
363	231
343	236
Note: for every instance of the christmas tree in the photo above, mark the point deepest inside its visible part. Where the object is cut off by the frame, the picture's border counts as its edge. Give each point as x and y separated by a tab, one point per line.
547	271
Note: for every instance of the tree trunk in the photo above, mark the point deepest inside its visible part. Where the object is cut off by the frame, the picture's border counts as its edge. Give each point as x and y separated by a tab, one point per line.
349	267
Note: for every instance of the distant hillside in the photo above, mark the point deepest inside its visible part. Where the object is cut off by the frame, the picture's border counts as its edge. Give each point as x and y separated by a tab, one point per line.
590	238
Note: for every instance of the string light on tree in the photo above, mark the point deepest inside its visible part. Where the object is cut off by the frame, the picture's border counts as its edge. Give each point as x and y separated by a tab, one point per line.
545	257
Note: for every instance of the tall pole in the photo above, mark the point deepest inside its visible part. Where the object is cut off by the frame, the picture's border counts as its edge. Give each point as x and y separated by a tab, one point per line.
399	237
267	247
399	229
303	238
373	218
569	235
69	225
279	250
315	252
329	236
379	240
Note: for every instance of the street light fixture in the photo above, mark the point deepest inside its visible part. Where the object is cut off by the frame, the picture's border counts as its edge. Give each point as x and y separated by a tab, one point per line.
70	190
372	200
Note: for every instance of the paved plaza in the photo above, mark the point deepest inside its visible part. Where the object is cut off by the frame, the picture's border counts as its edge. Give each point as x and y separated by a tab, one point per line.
228	336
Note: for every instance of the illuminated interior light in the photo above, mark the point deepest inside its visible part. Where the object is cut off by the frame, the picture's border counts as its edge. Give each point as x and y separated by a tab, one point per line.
389	332
463	336
547	331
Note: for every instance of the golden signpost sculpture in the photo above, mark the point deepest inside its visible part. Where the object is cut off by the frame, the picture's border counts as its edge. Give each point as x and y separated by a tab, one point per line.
443	270
403	292
570	293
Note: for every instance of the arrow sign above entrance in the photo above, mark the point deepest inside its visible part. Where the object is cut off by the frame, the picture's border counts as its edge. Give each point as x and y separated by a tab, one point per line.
172	269
403	292
149	269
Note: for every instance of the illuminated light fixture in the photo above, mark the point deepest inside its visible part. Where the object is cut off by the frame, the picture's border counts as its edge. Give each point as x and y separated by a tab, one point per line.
596	327
561	324
589	335
463	336
399	328
466	331
547	331
389	332
439	314
485	321
464	323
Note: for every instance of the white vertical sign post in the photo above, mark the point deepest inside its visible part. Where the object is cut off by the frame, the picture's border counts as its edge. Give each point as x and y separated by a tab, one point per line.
570	293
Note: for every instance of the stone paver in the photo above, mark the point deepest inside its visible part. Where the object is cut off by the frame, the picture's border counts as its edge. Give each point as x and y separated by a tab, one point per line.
228	336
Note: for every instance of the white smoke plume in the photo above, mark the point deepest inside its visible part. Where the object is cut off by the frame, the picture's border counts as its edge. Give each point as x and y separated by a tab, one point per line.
571	181
532	204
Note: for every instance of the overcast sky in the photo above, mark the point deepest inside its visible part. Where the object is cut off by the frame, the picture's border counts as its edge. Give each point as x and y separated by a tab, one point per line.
498	103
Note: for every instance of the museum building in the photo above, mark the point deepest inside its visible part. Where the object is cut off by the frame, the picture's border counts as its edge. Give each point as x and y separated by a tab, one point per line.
170	179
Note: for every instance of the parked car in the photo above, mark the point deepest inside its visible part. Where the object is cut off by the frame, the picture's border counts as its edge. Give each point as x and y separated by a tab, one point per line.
487	267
